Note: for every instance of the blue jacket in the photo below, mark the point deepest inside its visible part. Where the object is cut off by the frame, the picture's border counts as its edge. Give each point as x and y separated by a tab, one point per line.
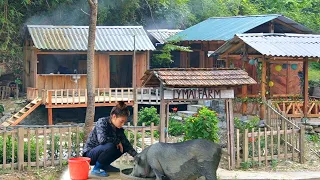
105	132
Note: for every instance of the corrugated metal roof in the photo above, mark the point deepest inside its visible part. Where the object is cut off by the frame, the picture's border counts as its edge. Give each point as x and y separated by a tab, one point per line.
162	34
224	28
75	38
196	77
287	45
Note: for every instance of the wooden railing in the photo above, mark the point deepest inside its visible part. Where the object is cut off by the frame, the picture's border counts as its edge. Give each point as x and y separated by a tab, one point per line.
102	95
255	148
5	92
79	96
276	118
32	93
295	108
41	146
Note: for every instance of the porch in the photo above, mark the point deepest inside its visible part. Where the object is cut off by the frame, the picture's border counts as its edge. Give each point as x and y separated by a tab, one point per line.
73	98
290	106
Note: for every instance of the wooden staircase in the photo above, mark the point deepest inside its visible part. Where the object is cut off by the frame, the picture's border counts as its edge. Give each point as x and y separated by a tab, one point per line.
24	112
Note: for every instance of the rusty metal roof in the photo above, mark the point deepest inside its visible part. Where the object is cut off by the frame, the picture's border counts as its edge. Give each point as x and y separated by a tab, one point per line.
273	44
162	34
75	38
196	77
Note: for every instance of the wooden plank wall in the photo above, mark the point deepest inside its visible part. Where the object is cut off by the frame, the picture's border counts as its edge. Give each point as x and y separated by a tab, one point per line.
142	63
60	82
205	61
287	80
104	71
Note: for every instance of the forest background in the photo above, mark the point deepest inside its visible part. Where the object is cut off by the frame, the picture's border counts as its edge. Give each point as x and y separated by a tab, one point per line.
152	14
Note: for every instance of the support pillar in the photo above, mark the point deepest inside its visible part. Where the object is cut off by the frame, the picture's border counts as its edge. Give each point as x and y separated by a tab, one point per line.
162	114
167	122
50	108
230	129
244	95
263	86
305	88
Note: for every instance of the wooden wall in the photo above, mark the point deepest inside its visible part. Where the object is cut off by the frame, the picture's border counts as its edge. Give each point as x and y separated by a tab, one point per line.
204	60
30	66
101	71
285	82
142	66
60	82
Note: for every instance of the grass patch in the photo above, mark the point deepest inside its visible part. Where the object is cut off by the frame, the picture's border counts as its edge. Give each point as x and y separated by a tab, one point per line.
314	75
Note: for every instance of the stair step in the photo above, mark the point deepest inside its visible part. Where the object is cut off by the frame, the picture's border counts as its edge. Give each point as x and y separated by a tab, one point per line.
10	121
28	107
16	116
5	124
194	107
186	113
21	111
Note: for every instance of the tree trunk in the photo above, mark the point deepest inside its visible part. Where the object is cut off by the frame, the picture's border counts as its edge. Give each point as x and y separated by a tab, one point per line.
90	69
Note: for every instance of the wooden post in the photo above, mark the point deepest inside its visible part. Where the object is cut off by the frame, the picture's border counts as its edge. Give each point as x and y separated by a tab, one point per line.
134	83
17	91
20	149
162	114
301	145
231	133
305	88
50	109
167	122
244	95
245	146
263	86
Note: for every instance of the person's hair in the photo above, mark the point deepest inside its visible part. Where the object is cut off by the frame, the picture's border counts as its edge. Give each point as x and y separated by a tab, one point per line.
121	109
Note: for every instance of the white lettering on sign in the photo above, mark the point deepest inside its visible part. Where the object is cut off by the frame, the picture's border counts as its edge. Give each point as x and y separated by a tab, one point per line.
198	93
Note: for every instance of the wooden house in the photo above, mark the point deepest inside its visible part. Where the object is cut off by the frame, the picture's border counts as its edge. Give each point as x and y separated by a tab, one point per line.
281	61
55	66
207	36
159	38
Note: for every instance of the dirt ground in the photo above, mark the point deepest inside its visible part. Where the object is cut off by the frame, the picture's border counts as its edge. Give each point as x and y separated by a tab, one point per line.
281	170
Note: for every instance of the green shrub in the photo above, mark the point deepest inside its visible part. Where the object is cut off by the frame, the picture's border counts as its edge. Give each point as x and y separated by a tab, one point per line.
148	115
9	149
1	108
203	125
251	123
314	138
176	128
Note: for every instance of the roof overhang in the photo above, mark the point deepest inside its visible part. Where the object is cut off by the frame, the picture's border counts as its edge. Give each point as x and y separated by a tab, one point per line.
274	45
196	78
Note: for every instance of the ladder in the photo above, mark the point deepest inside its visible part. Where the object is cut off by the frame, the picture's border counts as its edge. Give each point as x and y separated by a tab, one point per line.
24	112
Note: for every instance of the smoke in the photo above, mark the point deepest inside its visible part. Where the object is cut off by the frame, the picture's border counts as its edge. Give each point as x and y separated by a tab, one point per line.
64	14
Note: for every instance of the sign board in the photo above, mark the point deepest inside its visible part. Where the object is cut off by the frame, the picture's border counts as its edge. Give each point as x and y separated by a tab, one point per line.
198	93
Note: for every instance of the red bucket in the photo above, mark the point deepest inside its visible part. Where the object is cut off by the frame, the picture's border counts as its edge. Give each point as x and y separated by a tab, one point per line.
79	168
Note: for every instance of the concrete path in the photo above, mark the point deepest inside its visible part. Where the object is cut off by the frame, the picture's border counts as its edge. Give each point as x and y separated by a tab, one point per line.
226	174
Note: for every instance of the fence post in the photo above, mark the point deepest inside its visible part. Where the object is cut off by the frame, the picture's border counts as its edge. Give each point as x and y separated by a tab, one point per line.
20	148
245	146
302	132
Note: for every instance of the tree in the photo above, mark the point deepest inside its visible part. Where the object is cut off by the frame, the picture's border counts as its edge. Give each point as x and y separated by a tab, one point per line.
90	68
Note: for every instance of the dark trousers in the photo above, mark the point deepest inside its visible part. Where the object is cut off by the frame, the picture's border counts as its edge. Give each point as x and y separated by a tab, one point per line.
105	154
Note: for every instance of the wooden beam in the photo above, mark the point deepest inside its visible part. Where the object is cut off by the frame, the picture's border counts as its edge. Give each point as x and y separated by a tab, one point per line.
231	133
162	114
235	47
85	105
263	86
244	95
305	88
237	56
62	53
288	26
50	109
271	26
